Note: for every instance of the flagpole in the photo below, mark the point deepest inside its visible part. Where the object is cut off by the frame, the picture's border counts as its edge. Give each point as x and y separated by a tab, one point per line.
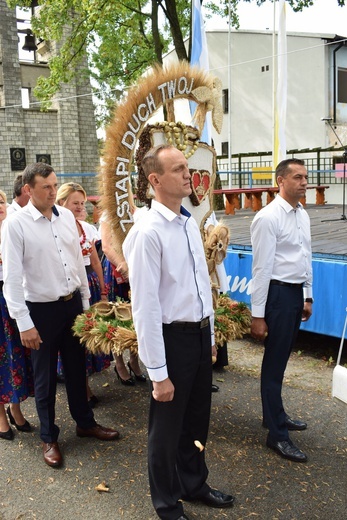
230	180
274	95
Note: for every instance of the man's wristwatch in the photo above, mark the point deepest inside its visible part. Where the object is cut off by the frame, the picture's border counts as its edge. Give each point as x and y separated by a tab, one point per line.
308	300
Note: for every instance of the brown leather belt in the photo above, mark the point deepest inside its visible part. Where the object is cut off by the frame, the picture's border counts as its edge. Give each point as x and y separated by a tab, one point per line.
68	297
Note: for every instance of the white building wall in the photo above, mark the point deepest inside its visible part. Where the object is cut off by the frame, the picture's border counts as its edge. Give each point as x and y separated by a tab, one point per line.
252	89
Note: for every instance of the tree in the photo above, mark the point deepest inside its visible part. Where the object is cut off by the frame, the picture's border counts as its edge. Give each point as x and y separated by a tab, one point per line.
121	37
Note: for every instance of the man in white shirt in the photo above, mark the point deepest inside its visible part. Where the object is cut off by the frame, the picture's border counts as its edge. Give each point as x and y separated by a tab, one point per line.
173	317
281	295
20	196
46	287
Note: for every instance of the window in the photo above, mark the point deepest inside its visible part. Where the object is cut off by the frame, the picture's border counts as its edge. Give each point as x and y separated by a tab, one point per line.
225	100
342	85
265	68
24	32
225	148
25	97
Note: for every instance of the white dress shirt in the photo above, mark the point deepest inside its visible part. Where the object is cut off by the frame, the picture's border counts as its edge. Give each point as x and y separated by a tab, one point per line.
13	207
42	260
168	278
281	245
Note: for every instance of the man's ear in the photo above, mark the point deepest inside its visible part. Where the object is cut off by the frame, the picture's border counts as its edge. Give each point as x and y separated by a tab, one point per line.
154	179
26	189
279	180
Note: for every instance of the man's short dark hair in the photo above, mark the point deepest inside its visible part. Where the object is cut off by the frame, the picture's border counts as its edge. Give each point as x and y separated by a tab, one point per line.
17	186
40	168
151	163
283	167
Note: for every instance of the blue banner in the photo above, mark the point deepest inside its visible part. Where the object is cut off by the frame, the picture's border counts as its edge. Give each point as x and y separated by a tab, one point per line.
329	288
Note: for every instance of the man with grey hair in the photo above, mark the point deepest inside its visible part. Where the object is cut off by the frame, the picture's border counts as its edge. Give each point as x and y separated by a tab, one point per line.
20	196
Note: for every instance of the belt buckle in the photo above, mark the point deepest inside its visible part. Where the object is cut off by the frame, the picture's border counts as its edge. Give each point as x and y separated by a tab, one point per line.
68	297
204	323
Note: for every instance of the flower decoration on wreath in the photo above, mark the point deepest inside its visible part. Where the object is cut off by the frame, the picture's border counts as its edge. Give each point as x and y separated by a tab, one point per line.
107	327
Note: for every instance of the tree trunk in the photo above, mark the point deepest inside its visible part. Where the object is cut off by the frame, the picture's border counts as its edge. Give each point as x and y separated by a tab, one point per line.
158	46
176	32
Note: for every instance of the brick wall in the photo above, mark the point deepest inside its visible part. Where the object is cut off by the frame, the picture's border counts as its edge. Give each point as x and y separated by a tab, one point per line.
67	132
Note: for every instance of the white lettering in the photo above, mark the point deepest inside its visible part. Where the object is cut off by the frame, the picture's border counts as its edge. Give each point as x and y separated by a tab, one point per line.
120	197
122	184
132	140
121	169
135	130
146	114
151	103
241	285
162	87
123	209
171	88
188	90
182	85
123	222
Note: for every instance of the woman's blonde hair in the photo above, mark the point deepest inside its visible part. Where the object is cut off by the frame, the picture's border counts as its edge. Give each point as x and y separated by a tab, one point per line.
3	195
66	189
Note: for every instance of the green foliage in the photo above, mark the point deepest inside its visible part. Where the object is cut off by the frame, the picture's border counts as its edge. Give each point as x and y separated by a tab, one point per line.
121	39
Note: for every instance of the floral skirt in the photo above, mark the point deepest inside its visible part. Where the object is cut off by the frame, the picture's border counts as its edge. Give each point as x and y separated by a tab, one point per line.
94	363
114	290
16	374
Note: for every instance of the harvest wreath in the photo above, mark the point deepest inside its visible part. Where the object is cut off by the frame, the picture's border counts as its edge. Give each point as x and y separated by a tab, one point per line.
108	327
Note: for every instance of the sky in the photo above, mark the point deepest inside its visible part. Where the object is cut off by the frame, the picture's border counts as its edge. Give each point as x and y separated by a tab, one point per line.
325	16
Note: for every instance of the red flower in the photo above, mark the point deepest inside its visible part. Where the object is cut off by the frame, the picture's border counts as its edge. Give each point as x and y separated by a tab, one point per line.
17	380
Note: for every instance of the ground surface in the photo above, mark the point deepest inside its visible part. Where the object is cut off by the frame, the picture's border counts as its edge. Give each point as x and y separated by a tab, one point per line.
266	487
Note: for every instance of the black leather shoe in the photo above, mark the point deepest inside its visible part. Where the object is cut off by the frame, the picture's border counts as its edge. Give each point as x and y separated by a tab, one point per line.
294	424
291	424
215	388
93	401
99	432
126	382
287	449
213	498
8	436
139	377
26	427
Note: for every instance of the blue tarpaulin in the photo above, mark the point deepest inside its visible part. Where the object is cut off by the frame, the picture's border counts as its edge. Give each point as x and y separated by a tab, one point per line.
329	288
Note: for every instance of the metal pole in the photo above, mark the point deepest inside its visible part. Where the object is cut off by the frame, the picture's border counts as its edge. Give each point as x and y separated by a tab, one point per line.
230	179
274	78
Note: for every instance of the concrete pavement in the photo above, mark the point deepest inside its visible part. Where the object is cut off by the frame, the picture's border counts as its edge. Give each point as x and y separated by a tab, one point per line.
266	486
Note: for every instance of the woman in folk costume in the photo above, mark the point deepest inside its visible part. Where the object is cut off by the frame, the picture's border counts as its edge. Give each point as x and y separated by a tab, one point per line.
16	380
73	197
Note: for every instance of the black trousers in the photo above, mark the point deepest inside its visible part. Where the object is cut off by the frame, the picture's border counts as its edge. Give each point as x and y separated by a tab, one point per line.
176	466
283	315
53	321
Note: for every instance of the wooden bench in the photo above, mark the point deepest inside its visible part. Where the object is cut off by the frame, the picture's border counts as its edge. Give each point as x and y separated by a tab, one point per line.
253	197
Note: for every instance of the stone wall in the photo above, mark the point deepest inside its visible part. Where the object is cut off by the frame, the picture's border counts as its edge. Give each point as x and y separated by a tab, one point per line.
67	132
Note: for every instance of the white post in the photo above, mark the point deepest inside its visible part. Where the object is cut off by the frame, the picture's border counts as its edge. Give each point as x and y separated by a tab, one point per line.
230	181
274	83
